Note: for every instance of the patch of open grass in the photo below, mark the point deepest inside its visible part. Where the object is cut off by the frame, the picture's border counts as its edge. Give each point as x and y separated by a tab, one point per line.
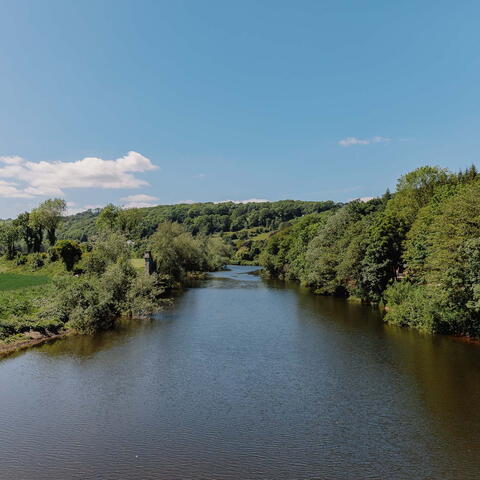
138	263
261	236
14	281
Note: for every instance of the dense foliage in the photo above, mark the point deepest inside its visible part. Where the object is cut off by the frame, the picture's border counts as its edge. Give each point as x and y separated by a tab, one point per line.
197	218
417	251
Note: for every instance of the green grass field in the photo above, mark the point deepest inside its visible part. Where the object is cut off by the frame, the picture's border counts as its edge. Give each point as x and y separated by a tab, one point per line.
14	281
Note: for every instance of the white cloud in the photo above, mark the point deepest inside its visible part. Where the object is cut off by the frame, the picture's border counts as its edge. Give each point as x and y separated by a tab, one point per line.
349	141
346	142
139	198
11	160
10	190
360	199
52	178
139	201
72	209
200	175
250	200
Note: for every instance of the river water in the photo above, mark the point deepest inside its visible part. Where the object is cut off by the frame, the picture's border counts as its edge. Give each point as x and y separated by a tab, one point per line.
244	379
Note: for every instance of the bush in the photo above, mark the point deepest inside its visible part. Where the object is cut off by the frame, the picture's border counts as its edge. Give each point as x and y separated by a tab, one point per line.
21	259
417	306
37	260
145	294
69	251
53	254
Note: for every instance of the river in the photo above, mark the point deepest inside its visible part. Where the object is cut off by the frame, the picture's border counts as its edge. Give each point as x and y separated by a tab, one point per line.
244	379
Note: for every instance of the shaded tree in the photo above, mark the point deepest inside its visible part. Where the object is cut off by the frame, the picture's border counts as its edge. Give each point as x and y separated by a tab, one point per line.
69	251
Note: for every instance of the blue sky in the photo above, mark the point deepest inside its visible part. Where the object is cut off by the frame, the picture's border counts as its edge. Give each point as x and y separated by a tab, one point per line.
223	100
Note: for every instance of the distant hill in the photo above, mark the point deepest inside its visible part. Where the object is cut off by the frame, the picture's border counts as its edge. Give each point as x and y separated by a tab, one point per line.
206	218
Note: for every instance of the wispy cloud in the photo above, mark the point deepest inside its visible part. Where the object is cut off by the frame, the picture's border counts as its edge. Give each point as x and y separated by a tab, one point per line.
139	201
349	141
25	179
200	175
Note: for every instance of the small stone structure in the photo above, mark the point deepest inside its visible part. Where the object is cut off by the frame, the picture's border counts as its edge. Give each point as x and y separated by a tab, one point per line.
149	263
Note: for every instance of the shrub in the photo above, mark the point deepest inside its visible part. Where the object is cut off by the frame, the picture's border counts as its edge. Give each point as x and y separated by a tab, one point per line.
21	259
69	251
417	306
37	261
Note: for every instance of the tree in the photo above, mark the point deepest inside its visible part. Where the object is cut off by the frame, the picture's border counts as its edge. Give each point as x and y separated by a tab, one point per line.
129	222
110	247
175	251
70	253
382	260
415	190
108	218
26	230
37	224
52	211
9	234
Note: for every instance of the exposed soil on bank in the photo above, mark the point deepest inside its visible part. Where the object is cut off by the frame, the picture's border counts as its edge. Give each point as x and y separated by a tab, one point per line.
30	339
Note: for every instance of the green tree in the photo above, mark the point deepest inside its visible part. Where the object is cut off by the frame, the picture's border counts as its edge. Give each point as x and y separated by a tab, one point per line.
26	230
416	189
175	251
129	222
37	225
9	234
110	247
382	259
108	218
69	251
52	211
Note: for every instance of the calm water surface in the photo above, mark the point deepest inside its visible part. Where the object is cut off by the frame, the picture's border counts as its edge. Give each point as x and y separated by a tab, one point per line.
244	379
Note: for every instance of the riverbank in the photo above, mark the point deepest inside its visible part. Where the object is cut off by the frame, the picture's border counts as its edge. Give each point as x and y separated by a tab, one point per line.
23	341
29	340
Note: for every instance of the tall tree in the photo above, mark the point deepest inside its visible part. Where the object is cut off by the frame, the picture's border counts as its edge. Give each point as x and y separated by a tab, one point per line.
52	211
9	234
37	224
26	231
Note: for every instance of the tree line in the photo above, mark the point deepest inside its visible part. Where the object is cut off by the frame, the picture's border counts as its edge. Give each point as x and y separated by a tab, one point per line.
416	251
30	227
197	218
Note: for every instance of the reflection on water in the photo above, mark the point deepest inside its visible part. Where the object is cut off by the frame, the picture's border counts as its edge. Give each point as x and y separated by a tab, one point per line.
86	346
244	378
